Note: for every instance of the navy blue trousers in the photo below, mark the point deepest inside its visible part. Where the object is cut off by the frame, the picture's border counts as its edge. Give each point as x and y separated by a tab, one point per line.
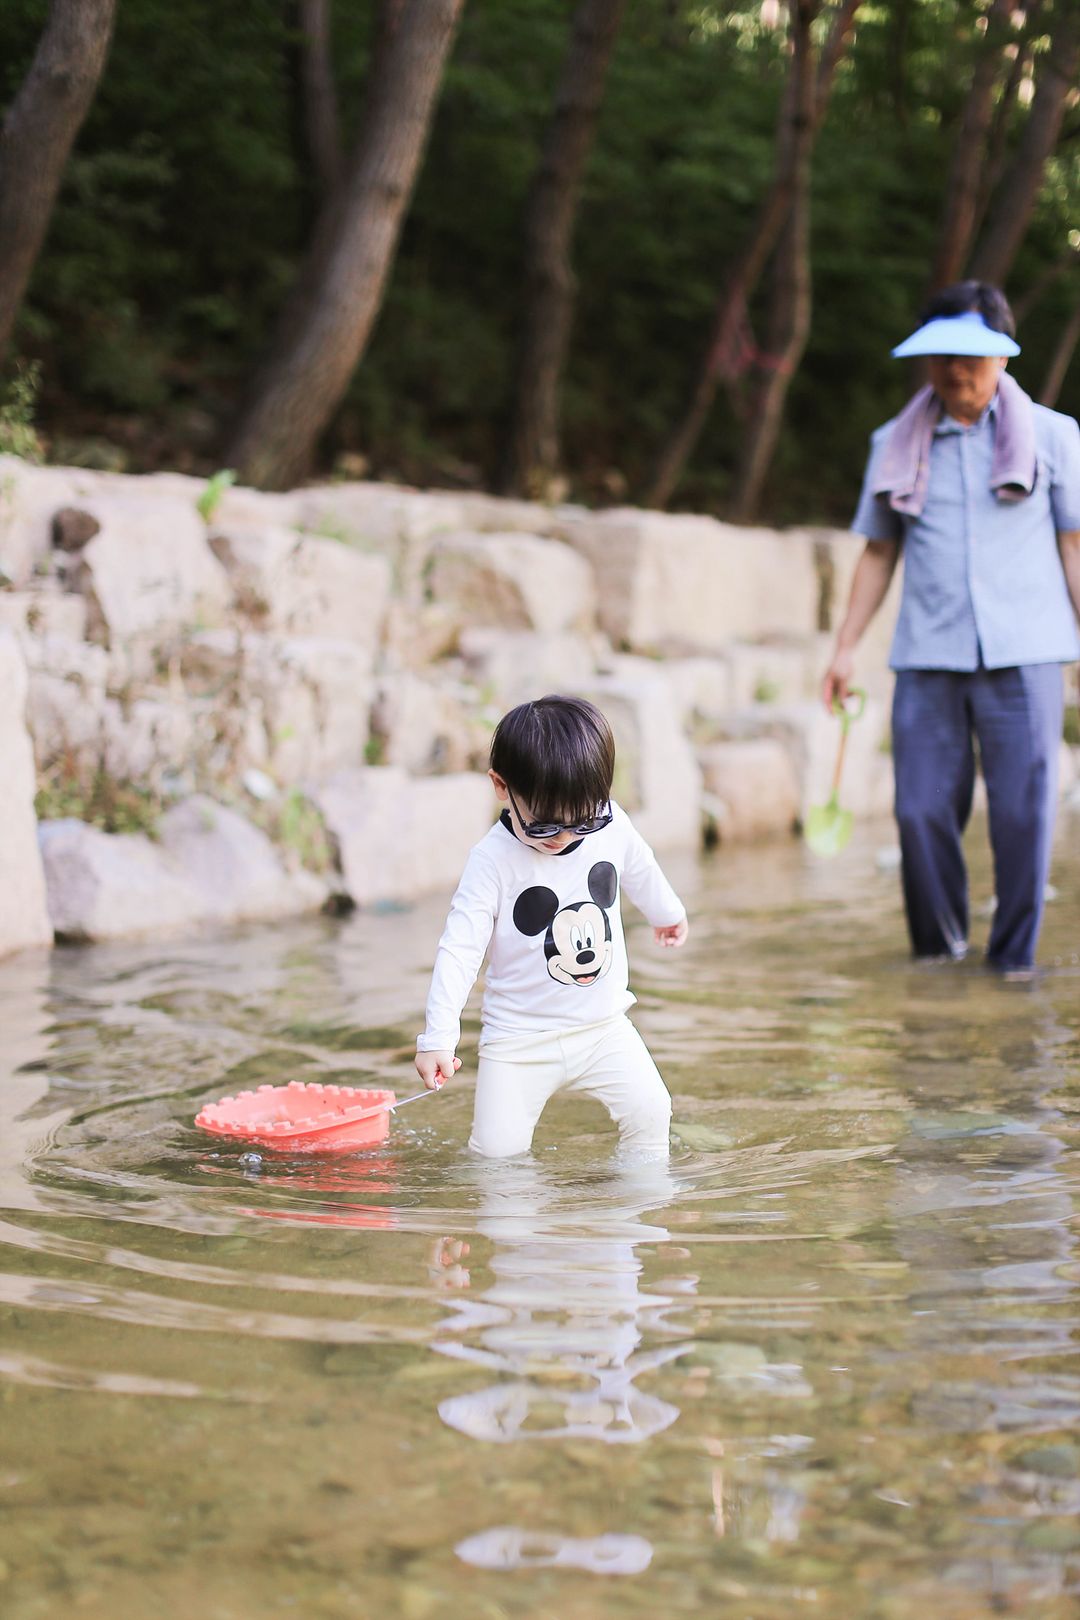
1015	716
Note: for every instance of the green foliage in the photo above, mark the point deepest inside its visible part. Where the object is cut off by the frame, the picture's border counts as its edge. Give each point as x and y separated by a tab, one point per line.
296	824
189	200
97	798
208	501
18	402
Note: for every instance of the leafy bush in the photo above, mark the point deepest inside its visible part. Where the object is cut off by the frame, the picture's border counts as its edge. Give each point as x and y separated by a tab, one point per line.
18	402
97	798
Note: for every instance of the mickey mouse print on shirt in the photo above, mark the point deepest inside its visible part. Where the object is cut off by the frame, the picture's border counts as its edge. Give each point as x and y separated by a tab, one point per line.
577	944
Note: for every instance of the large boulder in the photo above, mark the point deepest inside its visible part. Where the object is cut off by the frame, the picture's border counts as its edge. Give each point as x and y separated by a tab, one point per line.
24	918
701	688
66	700
428	727
149	571
752	789
812	738
29	499
298	706
46	611
670	583
390	519
210	866
657	776
400	836
781	670
232	866
379	514
512	666
295	584
111	885
419	633
147	739
710	688
514	581
488	514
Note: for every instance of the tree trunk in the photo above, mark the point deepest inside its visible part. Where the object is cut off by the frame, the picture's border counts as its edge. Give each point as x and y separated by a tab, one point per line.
388	16
330	315
969	153
996	151
832	54
792	297
789	330
1036	290
38	134
321	124
1062	357
1012	207
532	461
730	345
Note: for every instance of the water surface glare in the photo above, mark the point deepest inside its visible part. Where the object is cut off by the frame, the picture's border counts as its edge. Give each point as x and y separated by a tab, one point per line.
825	1362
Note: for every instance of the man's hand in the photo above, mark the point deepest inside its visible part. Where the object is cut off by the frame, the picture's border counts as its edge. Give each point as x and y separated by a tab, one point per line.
436	1068
837	683
673	935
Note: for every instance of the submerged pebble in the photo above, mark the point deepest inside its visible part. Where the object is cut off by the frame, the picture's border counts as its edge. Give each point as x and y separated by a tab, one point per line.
1060	1462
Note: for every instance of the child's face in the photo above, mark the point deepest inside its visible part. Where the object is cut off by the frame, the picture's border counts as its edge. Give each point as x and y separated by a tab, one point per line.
520	813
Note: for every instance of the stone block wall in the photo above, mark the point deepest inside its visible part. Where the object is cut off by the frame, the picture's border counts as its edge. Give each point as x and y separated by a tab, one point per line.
312	679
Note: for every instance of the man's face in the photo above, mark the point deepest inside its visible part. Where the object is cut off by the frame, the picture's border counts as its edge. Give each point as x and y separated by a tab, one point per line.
965	383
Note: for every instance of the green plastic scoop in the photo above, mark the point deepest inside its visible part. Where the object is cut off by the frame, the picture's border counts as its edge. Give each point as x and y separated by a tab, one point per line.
828	827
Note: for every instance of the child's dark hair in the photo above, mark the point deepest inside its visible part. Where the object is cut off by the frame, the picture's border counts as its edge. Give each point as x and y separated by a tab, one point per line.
558	755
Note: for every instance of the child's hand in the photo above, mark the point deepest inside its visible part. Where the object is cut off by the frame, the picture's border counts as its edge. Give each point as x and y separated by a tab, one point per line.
436	1068
673	936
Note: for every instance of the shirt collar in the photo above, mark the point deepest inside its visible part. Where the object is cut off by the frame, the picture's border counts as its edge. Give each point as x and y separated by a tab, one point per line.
949	424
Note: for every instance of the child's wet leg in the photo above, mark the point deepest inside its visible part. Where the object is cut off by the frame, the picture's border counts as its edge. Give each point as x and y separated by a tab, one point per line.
510	1097
620	1073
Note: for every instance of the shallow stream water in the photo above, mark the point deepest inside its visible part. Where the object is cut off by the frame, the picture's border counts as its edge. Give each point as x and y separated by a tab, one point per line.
825	1362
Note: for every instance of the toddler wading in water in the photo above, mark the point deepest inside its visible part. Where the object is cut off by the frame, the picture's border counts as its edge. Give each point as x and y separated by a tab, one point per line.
542	890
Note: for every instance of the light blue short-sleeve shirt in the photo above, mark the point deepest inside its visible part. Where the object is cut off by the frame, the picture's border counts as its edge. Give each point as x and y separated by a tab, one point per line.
983	578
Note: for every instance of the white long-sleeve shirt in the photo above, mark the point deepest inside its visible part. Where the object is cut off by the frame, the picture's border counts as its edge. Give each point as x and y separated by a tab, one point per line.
554	927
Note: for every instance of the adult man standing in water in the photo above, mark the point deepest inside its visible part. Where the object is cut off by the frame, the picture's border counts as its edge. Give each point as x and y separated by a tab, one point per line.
980	487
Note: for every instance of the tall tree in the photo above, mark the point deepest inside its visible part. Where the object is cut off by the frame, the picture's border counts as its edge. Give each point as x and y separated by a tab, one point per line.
1061	358
970	146
1014	201
38	134
532	458
996	152
320	106
791	299
731	349
730	340
330	314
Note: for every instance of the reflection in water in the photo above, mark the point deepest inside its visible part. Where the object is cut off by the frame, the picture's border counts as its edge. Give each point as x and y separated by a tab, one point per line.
983	1215
506	1547
824	1363
564	1315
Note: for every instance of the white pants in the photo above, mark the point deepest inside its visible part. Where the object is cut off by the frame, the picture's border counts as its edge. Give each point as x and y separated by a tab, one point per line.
609	1061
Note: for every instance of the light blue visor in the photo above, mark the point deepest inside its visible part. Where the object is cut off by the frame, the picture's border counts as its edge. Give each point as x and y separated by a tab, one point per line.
957	334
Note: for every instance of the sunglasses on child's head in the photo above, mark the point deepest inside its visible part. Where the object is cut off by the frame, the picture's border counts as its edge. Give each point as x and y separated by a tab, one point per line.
552	829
